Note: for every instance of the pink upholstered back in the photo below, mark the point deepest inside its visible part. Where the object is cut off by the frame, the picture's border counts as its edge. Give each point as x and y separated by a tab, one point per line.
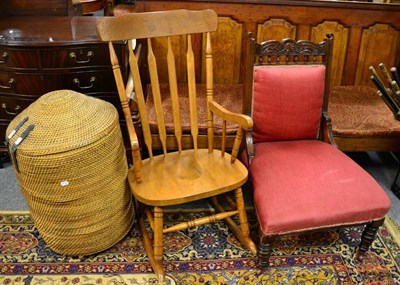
287	102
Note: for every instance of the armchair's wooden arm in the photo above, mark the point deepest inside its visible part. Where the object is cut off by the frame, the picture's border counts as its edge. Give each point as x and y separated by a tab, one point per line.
327	129
243	121
249	147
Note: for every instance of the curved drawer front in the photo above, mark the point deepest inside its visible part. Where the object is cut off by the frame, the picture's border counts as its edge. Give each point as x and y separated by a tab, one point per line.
39	83
18	58
10	106
76	57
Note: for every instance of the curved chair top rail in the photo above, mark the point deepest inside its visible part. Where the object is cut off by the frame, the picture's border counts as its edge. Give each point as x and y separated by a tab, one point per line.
156	24
292	50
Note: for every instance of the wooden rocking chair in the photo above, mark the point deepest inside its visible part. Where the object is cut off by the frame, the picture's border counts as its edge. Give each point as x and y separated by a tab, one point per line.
185	175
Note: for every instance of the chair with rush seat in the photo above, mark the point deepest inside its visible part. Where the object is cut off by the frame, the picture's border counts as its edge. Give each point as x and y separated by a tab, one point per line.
301	182
185	175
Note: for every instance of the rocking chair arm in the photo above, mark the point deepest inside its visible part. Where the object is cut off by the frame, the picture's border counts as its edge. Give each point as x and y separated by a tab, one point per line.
242	120
134	142
137	159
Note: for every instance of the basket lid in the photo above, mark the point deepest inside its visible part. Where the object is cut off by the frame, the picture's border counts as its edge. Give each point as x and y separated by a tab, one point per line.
63	120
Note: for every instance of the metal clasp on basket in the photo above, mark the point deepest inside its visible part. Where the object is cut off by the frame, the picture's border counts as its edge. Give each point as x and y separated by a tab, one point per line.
17	142
13	132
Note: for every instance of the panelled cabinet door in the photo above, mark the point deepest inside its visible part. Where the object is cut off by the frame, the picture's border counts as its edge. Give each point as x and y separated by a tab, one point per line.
341	38
378	45
227	44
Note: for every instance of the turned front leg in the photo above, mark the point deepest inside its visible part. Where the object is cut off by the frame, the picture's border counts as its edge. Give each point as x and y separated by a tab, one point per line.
244	224
158	236
265	250
368	237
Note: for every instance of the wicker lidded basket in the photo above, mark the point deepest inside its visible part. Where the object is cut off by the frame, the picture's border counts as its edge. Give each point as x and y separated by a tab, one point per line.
72	169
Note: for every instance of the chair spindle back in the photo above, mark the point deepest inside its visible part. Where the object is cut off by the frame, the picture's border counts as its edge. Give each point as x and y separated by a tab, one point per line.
167	24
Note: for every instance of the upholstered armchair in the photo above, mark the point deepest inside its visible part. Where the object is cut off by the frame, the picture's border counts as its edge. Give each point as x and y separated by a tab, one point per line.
301	181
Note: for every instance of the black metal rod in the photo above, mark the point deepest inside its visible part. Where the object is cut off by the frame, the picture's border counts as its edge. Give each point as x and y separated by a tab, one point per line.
374	73
385	100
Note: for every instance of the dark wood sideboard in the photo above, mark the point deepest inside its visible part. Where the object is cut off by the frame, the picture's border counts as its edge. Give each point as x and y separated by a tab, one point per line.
39	54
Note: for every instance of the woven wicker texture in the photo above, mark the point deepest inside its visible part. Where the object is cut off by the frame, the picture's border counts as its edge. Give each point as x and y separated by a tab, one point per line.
72	171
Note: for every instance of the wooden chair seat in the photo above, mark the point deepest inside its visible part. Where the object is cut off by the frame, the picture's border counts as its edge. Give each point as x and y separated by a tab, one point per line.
361	121
187	176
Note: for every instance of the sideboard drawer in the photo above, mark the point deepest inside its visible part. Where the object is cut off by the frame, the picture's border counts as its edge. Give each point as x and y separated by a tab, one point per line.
89	81
18	58
12	106
39	83
7	82
75	57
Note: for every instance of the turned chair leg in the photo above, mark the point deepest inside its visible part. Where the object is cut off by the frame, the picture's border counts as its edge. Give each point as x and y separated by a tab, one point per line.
265	250
158	242
153	247
244	224
368	237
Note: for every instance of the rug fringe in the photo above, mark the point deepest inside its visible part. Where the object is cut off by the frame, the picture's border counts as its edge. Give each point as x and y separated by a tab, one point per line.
393	228
17	212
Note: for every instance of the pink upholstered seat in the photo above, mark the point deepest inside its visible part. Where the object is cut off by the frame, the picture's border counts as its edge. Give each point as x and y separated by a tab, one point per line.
300	181
309	184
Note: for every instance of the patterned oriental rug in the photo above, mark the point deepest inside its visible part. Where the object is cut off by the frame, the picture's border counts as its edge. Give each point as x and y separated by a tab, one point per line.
206	255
